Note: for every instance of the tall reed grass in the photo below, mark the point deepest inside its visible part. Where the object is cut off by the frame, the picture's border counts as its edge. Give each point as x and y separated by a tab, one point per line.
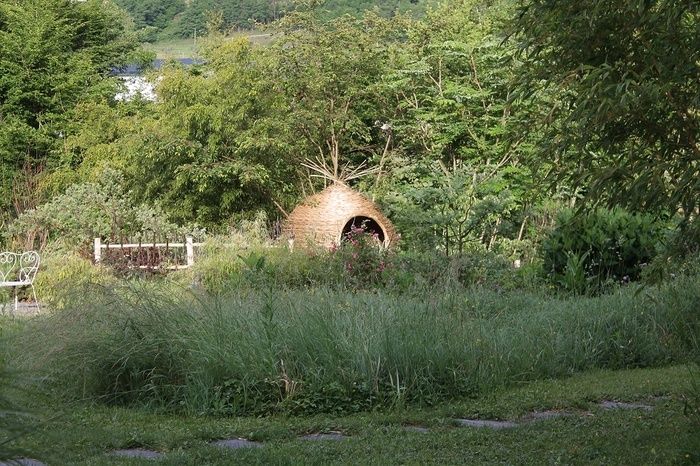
15	420
320	350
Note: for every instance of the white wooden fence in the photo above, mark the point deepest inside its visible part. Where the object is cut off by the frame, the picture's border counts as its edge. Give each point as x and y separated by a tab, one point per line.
141	249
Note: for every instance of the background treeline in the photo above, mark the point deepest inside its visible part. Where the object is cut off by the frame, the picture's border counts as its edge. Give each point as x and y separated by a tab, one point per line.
159	19
491	128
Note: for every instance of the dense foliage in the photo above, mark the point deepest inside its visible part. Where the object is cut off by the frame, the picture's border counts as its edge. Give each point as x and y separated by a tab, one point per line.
622	84
152	16
475	134
54	55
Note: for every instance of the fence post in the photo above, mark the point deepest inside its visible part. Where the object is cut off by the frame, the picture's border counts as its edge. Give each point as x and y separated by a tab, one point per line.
98	251
190	251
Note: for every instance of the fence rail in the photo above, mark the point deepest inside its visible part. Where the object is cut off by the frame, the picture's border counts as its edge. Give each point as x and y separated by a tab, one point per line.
153	255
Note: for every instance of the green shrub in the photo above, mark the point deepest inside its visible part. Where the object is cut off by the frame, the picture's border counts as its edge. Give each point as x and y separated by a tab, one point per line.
222	267
585	251
304	269
85	211
246	257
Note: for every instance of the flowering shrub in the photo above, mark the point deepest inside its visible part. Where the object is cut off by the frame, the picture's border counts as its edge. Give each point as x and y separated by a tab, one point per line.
362	257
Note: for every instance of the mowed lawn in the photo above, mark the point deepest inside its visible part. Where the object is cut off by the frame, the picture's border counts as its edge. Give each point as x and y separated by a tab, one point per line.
660	430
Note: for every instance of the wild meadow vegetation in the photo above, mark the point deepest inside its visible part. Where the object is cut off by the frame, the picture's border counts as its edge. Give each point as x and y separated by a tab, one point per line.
304	352
540	161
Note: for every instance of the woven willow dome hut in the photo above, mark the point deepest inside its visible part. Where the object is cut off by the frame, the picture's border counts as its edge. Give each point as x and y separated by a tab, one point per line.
323	219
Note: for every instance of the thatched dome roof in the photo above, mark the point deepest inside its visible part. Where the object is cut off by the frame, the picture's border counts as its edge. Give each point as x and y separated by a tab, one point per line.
324	218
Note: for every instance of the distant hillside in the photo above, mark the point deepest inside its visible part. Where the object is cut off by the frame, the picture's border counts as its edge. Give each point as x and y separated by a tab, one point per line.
334	8
159	19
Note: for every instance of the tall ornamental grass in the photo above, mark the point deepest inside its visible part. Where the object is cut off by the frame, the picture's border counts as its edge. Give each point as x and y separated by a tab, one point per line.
323	351
15	420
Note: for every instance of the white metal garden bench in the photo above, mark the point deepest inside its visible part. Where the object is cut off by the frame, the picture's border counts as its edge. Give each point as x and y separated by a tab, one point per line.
18	270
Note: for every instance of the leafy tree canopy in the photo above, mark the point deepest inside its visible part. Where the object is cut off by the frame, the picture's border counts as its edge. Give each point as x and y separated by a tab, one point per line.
618	84
53	55
154	13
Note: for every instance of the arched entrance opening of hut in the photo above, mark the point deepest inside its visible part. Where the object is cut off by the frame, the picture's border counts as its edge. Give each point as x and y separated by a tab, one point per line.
366	223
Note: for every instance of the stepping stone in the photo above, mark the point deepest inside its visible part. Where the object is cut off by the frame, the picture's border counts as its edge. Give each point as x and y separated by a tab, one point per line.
419	429
24	309
496	425
328	436
544	415
23	462
608	404
137	453
234	443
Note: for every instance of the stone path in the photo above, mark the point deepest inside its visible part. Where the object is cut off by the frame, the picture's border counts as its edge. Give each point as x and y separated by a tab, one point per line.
328	436
23	462
234	443
494	424
422	430
528	418
545	415
609	404
137	453
24	309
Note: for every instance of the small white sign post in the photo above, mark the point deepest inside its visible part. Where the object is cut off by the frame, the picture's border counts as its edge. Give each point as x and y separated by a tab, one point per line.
189	246
98	250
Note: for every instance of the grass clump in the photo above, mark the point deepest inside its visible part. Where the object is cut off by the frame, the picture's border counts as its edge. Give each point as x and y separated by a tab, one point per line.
15	419
298	351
